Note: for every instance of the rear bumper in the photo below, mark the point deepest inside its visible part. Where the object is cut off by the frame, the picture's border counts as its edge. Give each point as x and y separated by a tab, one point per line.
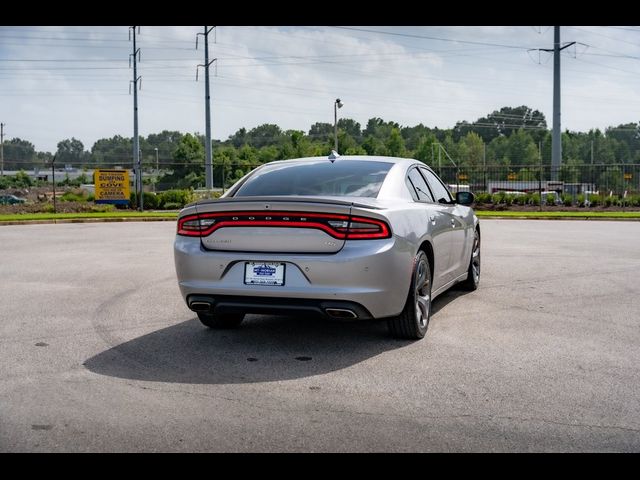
374	275
334	309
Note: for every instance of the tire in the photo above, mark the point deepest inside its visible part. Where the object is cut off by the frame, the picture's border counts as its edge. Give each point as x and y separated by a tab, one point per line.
413	321
221	320
473	272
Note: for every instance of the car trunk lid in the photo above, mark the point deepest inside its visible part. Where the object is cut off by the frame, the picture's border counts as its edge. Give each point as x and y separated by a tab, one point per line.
274	224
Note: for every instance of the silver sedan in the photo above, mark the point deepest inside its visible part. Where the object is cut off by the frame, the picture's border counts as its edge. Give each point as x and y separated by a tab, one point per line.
346	237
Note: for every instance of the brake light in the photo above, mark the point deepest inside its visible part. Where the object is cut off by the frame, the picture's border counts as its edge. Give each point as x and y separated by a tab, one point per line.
194	226
361	228
338	226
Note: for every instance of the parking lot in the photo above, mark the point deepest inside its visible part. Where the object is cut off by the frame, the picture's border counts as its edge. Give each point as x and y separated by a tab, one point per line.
99	353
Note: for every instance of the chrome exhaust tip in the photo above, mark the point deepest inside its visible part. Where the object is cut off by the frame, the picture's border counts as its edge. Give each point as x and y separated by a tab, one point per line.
342	313
199	306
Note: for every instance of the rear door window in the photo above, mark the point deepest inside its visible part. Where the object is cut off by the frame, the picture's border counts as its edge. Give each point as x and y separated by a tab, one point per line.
420	189
437	187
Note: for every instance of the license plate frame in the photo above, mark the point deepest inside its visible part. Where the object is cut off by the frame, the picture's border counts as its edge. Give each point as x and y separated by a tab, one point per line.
269	274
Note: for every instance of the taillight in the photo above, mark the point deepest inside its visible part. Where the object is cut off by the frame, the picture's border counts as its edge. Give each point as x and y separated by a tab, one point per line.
194	226
338	226
361	228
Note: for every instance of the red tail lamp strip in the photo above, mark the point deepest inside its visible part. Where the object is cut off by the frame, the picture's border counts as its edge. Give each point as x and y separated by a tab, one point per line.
359	228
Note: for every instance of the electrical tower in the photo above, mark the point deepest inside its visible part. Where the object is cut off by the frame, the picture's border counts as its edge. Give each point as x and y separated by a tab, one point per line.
136	141
2	149
556	139
208	164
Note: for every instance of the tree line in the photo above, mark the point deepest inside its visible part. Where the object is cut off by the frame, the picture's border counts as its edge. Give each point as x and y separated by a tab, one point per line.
512	137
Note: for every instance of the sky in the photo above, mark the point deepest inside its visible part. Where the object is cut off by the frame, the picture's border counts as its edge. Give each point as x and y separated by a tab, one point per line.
62	82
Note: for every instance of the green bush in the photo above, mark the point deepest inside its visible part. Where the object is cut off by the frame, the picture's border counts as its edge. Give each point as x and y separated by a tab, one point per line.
73	197
534	199
498	198
150	200
483	198
172	206
19	180
594	200
550	199
567	200
180	197
103	208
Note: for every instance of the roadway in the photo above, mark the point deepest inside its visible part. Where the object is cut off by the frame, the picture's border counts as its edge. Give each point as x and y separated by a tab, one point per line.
99	353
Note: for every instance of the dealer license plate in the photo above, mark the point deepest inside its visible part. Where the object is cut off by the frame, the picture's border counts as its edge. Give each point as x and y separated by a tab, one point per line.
264	273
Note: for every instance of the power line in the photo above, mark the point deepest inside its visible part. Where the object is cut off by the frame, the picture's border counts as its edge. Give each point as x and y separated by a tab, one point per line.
605	36
622	28
442	39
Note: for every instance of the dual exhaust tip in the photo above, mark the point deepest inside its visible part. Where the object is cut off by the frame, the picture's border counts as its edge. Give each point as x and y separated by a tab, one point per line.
337	313
341	313
199	306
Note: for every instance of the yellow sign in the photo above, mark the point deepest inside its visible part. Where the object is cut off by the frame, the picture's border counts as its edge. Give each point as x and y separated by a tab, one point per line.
512	176
463	176
112	186
628	176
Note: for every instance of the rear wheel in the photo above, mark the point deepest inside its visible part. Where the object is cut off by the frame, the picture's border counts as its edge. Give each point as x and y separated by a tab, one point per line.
413	321
473	273
221	320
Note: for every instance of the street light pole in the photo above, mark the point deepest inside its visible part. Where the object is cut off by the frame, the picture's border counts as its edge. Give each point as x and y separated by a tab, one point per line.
337	104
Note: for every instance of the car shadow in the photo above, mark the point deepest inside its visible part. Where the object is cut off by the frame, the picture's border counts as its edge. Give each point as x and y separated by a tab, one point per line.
263	349
446	298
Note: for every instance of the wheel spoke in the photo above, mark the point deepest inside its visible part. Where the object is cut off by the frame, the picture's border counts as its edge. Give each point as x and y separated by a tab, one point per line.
423	295
475	258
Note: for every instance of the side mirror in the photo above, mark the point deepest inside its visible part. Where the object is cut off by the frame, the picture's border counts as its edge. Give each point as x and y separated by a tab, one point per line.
465	198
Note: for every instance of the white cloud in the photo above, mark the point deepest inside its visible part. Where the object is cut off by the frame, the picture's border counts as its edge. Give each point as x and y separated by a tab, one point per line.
291	76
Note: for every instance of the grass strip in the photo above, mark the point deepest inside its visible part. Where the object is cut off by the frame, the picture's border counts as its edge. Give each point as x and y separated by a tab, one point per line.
556	215
16	217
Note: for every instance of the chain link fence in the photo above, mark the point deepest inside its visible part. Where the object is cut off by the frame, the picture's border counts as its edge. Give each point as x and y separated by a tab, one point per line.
570	185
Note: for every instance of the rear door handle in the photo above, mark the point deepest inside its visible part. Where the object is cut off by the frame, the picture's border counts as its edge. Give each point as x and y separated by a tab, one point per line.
432	218
453	223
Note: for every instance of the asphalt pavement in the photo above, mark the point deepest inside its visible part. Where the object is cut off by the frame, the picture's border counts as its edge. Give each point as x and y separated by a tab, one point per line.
98	353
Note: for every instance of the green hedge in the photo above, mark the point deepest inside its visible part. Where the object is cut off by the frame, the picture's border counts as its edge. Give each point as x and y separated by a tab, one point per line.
168	200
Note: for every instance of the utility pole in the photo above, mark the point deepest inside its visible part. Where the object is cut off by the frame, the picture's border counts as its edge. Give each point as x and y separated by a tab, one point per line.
208	165
53	182
556	141
2	149
540	175
157	169
136	140
484	163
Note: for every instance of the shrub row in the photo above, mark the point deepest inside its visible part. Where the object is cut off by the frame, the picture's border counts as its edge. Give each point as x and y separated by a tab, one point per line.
581	200
168	200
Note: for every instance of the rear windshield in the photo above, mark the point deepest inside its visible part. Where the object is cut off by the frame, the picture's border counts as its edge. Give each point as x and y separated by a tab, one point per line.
352	178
